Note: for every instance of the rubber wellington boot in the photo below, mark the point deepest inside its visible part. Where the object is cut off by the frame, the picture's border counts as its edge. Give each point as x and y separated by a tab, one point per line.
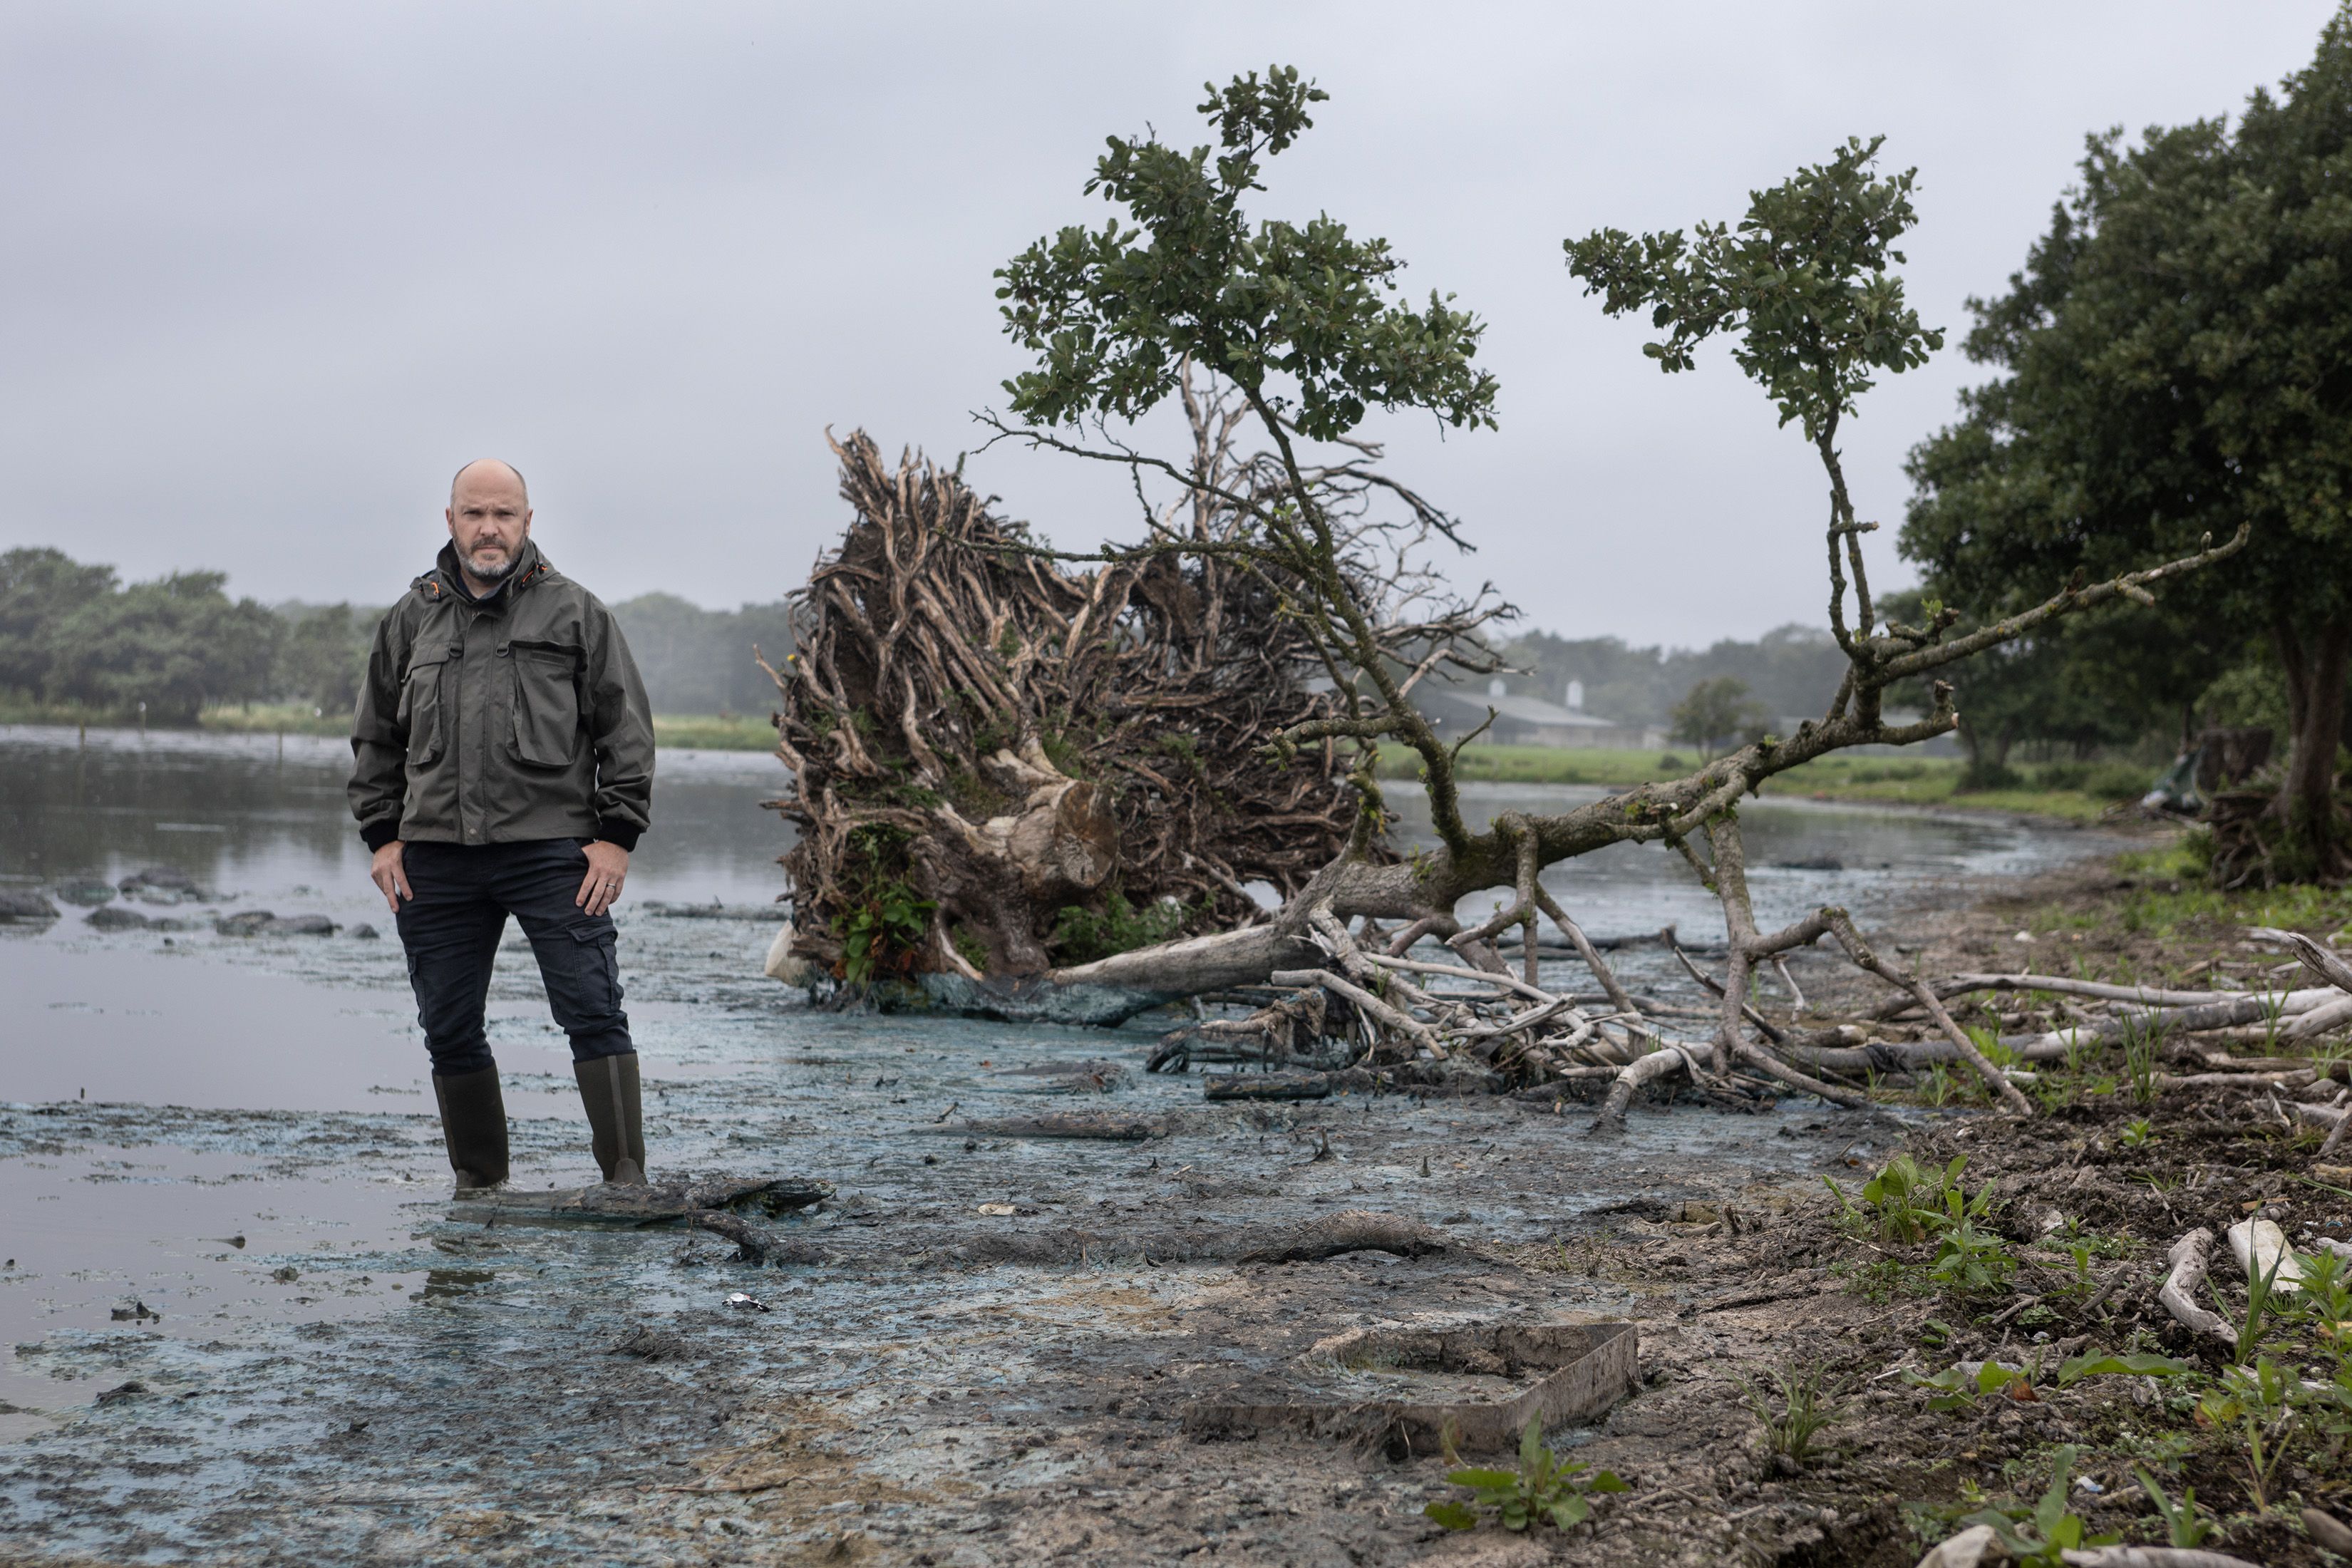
608	1087
474	1127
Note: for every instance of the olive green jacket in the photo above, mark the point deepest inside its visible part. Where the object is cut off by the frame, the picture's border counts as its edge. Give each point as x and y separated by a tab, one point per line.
512	718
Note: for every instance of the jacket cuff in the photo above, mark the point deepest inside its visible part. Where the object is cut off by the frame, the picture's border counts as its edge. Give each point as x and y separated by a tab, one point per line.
382	831
613	831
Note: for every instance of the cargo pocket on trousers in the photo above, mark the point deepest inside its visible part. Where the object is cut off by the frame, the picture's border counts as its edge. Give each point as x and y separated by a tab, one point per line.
600	966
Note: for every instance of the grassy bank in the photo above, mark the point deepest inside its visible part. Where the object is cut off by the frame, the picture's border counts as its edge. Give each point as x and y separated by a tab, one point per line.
707	732
2160	908
715	732
2072	791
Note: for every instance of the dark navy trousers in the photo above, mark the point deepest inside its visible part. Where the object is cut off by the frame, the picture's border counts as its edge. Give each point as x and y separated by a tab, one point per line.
451	928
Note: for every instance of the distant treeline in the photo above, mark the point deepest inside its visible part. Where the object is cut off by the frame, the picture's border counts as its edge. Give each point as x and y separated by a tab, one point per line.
1788	671
75	635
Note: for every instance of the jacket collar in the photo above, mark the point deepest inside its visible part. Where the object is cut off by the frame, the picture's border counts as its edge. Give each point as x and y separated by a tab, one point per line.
444	581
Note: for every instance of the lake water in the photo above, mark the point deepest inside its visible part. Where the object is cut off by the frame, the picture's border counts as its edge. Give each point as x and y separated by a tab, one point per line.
227	1184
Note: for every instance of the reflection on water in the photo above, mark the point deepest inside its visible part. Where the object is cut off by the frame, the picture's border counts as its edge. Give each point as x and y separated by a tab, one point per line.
200	1018
266	817
1801	854
254	818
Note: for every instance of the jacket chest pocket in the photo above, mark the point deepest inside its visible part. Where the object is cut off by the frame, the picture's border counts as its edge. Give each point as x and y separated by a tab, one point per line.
424	708
546	701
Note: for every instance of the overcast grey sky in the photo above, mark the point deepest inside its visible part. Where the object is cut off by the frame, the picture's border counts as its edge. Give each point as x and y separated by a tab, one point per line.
270	272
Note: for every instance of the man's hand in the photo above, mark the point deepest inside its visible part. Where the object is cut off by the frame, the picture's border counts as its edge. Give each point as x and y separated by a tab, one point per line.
608	868
390	876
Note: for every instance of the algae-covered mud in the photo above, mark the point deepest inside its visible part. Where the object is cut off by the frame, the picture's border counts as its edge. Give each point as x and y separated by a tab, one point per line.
249	1325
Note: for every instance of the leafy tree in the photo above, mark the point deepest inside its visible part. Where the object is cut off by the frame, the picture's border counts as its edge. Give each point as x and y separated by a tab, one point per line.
323	655
40	589
1804	282
174	643
1300	320
1716	710
2098	680
695	661
2176	360
1297	316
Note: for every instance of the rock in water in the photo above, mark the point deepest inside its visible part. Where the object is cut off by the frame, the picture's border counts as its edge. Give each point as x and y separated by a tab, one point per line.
163	879
87	892
17	906
116	919
363	932
300	925
244	923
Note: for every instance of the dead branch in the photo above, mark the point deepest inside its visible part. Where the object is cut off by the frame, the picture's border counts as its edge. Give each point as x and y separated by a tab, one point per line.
2151	1557
1355	1230
1842	926
2190	1257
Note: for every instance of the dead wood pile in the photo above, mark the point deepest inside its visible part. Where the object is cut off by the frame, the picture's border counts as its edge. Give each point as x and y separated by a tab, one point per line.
997	766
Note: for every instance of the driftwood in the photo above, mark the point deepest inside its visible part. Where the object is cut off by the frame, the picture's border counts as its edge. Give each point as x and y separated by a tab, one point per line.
1268	1086
1355	1230
660	1202
1553	1374
754	1244
1329	1236
2261	1248
1079	1124
1962	1549
2151	1557
2190	1258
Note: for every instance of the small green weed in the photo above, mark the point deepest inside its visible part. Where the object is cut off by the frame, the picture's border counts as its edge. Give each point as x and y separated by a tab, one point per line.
2259	1283
1908	1203
1544	1487
2136	1134
2257	1404
884	932
2184	1525
1957	1388
1793	1410
884	920
1904	1203
2075	1368
2140	1065
2041	1538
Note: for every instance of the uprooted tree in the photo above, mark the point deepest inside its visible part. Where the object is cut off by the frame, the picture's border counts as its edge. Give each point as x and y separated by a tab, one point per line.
1298	331
999	765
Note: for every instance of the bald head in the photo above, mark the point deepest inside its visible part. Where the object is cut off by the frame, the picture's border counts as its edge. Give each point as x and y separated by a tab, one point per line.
489	518
486	468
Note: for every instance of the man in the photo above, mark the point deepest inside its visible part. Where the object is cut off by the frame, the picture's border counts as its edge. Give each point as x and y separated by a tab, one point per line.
505	766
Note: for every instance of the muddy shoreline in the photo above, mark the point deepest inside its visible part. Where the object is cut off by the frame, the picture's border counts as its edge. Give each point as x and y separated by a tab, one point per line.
990	1359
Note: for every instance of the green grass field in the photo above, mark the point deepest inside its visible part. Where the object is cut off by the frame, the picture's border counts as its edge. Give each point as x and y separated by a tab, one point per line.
707	731
715	732
2073	792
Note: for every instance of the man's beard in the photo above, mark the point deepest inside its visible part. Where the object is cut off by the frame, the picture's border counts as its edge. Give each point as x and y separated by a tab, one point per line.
496	573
